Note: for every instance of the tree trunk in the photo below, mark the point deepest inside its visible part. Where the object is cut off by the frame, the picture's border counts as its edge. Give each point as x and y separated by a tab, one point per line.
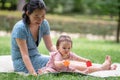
118	27
3	5
20	5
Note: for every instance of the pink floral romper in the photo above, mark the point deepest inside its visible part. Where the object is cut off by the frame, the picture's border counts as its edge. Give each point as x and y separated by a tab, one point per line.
56	56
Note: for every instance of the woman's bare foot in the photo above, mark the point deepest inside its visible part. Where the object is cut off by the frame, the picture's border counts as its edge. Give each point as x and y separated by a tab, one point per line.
107	64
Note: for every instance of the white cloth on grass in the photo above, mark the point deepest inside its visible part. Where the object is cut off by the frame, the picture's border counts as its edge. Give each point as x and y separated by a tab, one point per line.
108	73
6	65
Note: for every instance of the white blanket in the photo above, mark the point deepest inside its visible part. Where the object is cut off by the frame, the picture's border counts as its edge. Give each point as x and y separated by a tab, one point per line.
108	73
6	65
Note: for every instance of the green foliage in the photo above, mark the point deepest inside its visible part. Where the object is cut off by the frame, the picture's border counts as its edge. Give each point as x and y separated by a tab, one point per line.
102	7
98	7
7	23
78	6
8	4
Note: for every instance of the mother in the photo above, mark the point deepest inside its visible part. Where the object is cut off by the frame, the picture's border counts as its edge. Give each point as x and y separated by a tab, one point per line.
26	36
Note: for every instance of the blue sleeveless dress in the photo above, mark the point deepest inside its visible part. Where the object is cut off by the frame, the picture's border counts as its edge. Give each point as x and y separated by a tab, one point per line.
22	31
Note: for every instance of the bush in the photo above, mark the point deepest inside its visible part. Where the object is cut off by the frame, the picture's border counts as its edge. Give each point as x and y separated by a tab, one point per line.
69	24
7	23
85	27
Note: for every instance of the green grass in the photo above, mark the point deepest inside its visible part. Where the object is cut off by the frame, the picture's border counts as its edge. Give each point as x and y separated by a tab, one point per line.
61	76
5	45
94	50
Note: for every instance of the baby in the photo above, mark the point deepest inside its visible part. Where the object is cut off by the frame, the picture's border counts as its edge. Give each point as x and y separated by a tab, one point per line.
66	61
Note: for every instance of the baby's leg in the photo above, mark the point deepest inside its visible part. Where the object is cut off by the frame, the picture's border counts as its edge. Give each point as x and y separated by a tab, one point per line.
105	66
113	67
78	65
82	66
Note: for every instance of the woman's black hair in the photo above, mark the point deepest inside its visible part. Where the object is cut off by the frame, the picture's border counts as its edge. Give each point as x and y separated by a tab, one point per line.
30	7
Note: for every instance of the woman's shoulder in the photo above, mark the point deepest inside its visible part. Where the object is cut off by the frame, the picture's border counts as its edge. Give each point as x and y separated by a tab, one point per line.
44	23
19	25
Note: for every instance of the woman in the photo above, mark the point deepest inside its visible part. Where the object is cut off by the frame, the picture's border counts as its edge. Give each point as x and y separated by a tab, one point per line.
26	36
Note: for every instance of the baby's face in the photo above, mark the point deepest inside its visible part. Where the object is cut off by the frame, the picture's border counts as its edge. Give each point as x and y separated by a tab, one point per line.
64	48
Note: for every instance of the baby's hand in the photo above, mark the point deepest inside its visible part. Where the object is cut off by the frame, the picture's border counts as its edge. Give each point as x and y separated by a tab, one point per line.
66	63
88	63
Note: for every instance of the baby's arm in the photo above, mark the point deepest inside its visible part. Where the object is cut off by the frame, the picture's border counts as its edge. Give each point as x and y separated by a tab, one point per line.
86	71
59	63
78	58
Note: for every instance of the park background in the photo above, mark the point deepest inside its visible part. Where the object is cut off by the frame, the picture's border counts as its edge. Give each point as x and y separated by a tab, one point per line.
94	26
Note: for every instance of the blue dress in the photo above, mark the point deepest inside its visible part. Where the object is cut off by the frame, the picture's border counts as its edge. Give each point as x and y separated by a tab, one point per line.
22	31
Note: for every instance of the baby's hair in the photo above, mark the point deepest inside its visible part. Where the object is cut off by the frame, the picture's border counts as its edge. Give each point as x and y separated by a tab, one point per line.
63	38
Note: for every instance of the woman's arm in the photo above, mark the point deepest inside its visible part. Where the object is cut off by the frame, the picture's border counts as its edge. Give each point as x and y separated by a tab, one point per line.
25	56
49	44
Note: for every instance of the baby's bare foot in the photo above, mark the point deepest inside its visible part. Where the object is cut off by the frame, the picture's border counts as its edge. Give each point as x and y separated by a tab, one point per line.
113	67
106	65
40	71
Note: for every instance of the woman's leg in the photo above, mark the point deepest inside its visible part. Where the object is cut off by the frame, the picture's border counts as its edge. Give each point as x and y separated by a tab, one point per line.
39	61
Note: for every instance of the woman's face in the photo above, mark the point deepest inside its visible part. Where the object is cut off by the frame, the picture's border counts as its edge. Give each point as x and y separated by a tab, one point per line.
64	48
37	17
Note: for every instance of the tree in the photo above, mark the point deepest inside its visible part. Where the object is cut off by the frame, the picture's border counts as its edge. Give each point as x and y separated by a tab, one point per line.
51	5
20	5
118	27
78	6
3	4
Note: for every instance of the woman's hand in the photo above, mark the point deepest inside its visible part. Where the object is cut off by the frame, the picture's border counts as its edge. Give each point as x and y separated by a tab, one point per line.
34	74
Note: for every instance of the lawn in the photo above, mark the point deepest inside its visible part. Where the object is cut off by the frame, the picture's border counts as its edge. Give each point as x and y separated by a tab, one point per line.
95	50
